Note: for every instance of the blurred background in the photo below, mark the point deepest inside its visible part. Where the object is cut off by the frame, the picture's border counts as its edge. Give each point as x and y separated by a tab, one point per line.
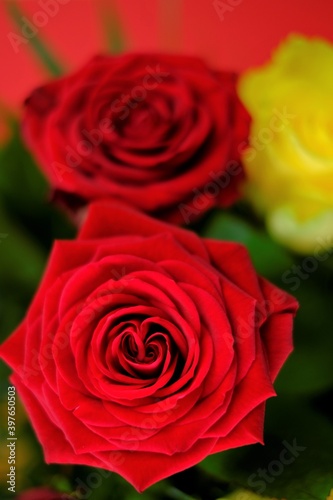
230	34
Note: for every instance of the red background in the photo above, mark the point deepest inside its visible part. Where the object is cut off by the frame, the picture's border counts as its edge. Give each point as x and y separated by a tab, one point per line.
243	38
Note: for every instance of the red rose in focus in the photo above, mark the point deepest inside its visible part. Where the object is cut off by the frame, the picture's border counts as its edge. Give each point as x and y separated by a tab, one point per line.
162	133
43	494
147	348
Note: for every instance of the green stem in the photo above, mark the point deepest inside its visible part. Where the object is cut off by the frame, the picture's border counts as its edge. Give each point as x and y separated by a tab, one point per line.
39	48
176	494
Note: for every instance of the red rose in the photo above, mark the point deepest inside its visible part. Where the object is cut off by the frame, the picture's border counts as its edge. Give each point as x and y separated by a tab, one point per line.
147	348
162	133
43	494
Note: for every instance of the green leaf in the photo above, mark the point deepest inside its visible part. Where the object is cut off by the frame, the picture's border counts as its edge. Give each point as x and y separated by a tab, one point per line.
22	260
39	47
20	180
243	494
61	483
28	225
176	494
112	28
269	258
309	369
25	195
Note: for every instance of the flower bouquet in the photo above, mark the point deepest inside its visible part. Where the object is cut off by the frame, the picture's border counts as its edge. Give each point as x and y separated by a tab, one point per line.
163	221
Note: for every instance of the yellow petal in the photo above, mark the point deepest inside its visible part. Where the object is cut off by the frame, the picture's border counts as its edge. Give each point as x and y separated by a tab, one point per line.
289	163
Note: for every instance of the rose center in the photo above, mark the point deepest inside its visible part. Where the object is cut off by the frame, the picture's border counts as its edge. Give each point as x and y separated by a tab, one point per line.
135	349
142	348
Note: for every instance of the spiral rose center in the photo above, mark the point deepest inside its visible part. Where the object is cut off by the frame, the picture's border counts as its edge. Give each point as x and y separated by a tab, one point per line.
141	349
134	348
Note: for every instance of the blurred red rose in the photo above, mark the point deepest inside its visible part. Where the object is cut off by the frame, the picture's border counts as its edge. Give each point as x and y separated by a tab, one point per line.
147	348
43	494
160	132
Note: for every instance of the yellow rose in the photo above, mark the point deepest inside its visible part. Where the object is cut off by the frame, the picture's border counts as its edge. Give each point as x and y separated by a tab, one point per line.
290	160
